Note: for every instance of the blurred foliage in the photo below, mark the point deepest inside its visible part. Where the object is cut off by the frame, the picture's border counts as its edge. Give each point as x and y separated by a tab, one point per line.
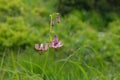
89	30
102	6
11	9
98	13
18	24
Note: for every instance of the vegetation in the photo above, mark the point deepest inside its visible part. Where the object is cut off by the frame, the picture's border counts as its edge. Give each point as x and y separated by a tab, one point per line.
91	46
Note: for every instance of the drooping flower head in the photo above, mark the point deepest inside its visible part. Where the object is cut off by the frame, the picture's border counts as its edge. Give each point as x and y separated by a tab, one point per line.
52	22
58	18
41	47
56	43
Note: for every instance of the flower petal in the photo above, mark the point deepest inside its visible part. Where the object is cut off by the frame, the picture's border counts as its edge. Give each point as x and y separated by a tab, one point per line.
55	39
41	46
60	44
36	46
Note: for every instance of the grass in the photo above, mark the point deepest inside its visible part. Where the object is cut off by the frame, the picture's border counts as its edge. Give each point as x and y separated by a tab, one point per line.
31	65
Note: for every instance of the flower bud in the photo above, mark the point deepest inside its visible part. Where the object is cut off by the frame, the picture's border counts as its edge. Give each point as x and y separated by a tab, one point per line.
52	22
58	18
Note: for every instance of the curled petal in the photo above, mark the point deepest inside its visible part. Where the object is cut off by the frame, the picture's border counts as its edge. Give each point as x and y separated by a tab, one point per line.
60	44
55	39
36	46
41	47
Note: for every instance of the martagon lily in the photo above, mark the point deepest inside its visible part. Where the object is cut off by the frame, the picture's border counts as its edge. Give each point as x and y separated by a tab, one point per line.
41	47
56	43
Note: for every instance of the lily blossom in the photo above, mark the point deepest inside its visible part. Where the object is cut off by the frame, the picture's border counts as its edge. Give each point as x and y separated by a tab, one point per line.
41	47
56	43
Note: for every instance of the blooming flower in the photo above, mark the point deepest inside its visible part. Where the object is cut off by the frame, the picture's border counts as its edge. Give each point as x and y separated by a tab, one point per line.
58	19
56	43
41	47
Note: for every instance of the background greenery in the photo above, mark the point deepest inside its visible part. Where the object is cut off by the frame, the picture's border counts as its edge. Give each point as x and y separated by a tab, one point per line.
89	30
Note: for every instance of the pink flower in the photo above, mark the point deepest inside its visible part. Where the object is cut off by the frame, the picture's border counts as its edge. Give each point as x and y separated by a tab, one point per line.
56	43
58	19
41	47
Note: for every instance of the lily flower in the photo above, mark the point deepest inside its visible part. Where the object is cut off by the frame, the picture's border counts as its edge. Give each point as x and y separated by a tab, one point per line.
41	47
56	43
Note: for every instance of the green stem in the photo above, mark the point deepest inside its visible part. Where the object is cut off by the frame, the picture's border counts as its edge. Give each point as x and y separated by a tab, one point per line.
50	29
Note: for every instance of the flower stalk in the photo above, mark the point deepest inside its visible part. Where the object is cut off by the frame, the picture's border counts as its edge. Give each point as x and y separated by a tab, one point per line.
53	42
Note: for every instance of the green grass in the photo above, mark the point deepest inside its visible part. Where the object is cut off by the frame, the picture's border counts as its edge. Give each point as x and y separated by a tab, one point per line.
30	65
